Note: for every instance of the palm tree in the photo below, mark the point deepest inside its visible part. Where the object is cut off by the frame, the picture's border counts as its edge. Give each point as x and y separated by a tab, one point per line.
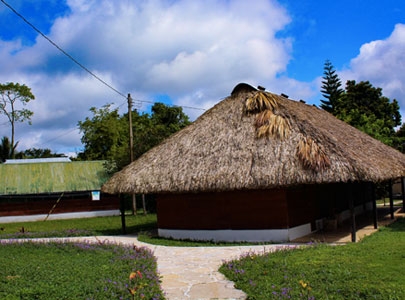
6	149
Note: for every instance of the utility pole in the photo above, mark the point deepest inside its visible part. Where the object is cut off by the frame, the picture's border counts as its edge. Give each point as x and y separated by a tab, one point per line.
131	155
131	134
403	193
131	146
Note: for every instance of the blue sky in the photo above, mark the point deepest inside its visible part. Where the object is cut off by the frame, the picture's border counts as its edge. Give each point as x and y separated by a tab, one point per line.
336	30
189	53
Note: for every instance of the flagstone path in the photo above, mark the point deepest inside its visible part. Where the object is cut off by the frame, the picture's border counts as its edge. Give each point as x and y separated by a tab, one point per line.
192	272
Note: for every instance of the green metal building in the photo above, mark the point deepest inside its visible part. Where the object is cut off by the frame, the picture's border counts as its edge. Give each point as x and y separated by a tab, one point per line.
53	186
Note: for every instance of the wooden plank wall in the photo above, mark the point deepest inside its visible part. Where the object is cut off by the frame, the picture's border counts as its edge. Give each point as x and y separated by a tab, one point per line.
223	210
65	205
258	209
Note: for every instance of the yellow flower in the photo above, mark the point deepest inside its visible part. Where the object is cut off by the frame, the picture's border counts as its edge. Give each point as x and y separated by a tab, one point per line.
303	284
132	275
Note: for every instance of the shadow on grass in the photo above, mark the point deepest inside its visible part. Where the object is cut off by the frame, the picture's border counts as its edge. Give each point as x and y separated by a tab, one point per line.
130	229
398	225
151	237
78	227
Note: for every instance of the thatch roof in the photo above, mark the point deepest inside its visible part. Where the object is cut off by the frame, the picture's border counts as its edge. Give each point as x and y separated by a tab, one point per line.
258	140
40	177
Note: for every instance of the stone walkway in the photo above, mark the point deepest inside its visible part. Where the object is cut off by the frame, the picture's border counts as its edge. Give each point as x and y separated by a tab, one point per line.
192	272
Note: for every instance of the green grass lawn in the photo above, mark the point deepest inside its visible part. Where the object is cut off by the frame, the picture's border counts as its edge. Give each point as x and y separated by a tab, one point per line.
76	271
78	227
153	239
371	269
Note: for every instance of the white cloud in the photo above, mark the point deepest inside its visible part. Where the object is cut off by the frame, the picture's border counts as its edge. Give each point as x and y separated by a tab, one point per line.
177	46
193	51
382	62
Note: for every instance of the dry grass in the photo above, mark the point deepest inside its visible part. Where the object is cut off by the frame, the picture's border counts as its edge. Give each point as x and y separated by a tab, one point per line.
263	118
267	122
312	155
260	101
275	127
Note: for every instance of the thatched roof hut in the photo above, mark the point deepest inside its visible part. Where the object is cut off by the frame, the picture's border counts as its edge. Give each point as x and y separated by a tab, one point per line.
276	143
259	167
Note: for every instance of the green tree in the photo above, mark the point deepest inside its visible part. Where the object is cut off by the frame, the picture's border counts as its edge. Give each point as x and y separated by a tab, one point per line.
10	95
105	135
171	117
364	107
331	88
399	139
39	153
150	130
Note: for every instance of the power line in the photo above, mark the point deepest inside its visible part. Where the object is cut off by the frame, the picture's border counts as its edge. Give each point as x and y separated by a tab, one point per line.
60	135
174	105
63	51
81	65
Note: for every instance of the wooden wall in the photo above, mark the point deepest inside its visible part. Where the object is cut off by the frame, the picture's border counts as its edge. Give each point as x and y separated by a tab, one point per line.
223	210
258	209
23	207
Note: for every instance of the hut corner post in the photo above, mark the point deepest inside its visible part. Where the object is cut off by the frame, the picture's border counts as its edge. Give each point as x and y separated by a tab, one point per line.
374	198
391	199
352	213
122	212
403	193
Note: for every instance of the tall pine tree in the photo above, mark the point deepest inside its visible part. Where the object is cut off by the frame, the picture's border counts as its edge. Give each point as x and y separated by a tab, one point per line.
330	88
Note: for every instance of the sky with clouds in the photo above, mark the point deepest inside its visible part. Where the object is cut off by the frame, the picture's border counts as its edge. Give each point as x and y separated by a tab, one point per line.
188	53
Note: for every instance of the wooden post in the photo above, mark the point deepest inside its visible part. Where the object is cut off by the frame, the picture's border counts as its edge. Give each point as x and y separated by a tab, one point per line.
131	145
352	213
375	214
144	204
134	211
391	199
122	210
403	193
